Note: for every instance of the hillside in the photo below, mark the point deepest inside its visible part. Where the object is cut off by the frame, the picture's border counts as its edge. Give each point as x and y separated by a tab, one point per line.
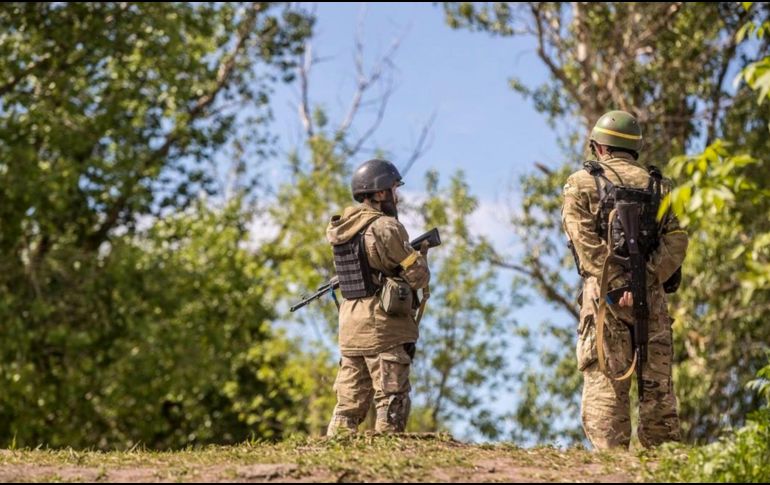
409	458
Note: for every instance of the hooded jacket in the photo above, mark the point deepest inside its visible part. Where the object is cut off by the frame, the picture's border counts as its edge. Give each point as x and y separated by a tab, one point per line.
364	328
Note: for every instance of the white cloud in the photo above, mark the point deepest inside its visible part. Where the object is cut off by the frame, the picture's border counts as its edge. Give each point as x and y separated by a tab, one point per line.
490	220
262	229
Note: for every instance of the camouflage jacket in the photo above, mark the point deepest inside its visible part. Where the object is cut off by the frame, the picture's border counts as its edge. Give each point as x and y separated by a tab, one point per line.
581	203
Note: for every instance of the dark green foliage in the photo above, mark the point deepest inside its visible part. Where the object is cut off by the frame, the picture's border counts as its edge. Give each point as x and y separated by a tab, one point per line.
110	114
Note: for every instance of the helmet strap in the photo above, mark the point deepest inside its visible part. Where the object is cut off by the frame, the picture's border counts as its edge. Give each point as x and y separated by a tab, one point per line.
599	153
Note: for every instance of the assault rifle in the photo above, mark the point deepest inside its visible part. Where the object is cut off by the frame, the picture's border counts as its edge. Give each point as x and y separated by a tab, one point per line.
431	236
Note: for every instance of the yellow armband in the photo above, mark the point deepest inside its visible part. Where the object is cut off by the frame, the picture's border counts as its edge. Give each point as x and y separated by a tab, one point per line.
409	260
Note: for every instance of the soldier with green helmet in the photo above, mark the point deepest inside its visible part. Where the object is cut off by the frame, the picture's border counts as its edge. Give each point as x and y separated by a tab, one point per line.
617	130
373	257
610	216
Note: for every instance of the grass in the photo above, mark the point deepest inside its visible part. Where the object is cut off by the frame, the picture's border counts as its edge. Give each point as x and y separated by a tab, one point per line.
362	457
741	456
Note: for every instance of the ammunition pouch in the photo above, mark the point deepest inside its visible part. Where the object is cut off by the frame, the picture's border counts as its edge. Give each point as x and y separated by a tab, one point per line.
396	297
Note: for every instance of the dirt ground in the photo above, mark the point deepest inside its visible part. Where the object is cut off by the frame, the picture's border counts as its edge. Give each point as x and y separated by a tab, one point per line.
353	459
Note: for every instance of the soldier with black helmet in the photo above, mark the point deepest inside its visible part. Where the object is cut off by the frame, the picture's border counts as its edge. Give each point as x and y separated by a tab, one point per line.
377	330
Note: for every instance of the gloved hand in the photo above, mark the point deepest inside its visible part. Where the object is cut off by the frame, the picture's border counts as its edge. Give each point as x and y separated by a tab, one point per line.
424	249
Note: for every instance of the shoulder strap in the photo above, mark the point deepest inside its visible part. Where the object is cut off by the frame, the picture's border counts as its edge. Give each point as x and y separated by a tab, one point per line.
597	172
654	185
362	247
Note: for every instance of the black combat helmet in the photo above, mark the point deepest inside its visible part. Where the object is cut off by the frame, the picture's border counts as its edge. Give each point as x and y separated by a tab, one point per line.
373	176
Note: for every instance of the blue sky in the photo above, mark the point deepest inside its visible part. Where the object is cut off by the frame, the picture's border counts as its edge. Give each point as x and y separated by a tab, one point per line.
481	125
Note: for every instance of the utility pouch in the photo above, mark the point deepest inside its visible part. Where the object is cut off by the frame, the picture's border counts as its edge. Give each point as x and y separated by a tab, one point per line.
396	297
672	284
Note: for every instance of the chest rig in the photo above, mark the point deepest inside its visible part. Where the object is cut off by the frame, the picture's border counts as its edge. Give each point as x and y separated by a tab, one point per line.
352	266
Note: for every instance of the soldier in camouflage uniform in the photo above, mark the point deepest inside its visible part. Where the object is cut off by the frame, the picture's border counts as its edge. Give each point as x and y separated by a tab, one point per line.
376	347
616	141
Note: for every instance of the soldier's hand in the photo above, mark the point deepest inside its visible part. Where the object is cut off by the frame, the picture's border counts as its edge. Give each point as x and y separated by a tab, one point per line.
627	299
424	248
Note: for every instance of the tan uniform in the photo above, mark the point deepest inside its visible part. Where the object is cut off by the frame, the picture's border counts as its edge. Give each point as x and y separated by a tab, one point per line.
375	346
605	402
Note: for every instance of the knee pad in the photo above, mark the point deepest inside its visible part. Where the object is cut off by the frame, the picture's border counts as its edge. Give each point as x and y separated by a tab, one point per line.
392	417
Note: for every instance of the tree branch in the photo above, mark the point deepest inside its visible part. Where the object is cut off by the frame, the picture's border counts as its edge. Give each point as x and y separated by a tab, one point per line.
548	290
421	147
365	81
351	151
716	95
557	72
8	87
304	74
224	74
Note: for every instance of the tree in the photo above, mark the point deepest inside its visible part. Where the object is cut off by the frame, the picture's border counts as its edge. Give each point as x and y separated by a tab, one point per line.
724	191
462	349
112	114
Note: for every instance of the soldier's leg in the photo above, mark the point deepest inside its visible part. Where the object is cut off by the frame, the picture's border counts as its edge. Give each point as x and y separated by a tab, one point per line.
658	419
353	387
605	410
605	402
390	379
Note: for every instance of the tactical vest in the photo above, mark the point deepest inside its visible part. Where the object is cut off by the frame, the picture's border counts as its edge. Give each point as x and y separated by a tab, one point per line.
648	200
352	267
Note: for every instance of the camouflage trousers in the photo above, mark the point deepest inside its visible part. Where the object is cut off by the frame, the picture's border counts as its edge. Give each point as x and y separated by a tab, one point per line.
605	402
384	377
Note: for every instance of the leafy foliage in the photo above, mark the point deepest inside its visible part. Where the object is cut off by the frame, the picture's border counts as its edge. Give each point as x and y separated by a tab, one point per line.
121	327
739	457
463	342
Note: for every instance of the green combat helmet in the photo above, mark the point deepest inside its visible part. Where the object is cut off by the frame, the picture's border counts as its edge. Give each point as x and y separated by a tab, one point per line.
618	129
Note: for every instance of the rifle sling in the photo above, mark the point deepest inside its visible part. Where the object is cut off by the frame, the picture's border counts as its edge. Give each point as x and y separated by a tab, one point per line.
601	312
